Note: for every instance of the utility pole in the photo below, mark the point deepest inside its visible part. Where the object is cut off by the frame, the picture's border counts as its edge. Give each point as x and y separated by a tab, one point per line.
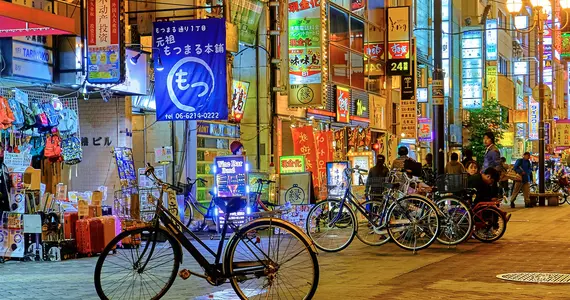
438	111
541	170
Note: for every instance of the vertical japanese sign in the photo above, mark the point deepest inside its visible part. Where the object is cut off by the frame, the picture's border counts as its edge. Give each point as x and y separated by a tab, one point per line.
491	38
104	45
409	118
398	28
408	86
532	119
491	80
305	52
245	14
424	130
304	144
239	97
193	84
342	105
563	132
324	153
472	66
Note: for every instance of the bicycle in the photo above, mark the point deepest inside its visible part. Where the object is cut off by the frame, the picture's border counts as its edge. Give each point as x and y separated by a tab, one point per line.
191	205
254	261
332	224
489	222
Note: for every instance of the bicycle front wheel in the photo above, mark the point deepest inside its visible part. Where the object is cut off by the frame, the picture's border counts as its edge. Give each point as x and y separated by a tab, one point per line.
456	221
272	259
370	230
413	223
329	227
188	214
144	266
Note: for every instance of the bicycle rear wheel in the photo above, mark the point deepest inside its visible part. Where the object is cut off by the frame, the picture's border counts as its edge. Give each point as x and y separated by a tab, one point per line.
272	259
413	223
489	224
330	228
144	266
457	221
370	231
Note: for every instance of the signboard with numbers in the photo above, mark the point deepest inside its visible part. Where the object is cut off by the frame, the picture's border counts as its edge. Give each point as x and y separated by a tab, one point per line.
399	52
104	45
193	84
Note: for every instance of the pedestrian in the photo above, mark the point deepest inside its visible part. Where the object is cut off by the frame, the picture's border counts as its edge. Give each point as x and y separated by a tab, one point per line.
472	167
376	176
427	170
485	184
492	155
398	163
236	148
406	163
467	157
429	161
504	181
523	166
454	166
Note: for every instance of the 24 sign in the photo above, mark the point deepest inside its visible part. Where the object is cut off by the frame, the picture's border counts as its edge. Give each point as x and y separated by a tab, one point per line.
398	67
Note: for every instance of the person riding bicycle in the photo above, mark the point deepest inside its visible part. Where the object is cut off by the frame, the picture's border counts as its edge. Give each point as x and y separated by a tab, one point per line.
485	185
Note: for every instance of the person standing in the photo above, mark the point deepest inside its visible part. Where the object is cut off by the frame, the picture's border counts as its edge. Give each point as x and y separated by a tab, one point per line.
376	175
492	155
454	166
523	166
427	170
398	163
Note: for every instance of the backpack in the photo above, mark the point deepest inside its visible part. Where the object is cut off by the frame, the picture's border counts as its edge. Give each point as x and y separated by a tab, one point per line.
68	122
71	150
6	114
42	122
53	148
18	113
52	115
29	117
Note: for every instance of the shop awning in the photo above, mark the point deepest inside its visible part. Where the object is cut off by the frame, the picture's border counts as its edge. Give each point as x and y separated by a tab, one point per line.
18	20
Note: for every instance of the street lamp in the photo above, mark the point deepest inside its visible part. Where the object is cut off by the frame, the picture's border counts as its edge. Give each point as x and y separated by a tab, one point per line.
538	6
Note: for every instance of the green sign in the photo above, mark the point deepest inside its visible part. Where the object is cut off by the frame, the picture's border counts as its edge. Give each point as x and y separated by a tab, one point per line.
304	33
245	14
291	164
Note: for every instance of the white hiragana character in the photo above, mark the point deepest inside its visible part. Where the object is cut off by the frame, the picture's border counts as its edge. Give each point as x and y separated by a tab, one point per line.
208	49
187	49
167	29
166	50
173	29
178	50
170	39
197	49
181	80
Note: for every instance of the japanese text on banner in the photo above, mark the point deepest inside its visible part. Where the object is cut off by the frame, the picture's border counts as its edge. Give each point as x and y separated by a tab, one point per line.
304	144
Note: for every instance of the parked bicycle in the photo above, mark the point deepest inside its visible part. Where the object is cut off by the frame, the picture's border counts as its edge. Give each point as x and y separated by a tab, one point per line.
412	223
265	258
191	206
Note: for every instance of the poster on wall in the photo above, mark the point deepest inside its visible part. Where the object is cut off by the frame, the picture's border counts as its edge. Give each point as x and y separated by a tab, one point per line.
105	51
424	130
193	83
305	53
246	14
342	105
295	188
125	167
239	97
337	181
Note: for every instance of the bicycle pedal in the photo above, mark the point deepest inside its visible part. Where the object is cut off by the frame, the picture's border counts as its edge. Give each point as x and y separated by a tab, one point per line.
184	274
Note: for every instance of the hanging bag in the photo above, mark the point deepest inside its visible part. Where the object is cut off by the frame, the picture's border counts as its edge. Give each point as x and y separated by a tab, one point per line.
71	150
68	122
6	114
16	108
42	122
53	148
52	115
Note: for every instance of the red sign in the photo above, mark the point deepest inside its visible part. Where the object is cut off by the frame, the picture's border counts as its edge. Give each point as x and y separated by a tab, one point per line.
374	51
324	153
304	144
398	50
342	105
103	22
301	5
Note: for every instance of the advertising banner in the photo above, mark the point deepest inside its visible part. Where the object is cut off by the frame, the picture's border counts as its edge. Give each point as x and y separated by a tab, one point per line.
304	144
104	46
324	152
239	97
409	118
291	164
231	176
491	50
408	86
492	79
563	132
193	84
424	130
342	105
398	28
472	65
245	14
532	119
305	53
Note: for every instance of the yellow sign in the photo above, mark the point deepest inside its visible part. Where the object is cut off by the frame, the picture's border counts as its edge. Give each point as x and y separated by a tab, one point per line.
508	139
491	83
563	133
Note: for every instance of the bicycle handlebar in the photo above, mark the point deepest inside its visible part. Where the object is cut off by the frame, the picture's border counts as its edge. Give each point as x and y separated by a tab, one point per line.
190	181
355	169
149	172
264	181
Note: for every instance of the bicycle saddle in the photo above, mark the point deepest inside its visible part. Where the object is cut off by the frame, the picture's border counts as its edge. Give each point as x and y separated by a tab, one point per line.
230	204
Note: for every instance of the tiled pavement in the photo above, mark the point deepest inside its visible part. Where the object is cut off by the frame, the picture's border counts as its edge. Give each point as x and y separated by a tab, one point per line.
537	240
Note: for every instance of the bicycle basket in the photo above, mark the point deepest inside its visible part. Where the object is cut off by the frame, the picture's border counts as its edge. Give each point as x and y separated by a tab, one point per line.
184	188
377	185
452	183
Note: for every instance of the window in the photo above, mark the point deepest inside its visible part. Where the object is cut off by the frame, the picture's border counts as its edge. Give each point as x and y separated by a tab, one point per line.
338	26
339	65
356	34
502	20
357	70
503	66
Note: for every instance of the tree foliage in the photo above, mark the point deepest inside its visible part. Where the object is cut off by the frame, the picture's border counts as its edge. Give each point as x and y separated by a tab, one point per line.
489	118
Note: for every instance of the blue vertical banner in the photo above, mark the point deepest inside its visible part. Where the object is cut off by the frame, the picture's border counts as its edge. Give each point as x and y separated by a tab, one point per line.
192	85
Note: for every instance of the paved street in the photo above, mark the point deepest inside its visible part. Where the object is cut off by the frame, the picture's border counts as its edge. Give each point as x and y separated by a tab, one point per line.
537	240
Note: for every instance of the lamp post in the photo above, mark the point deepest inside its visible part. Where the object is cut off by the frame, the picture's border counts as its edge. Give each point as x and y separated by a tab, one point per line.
540	17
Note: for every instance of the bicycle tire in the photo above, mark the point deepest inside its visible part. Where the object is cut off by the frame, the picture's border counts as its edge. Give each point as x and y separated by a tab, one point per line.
364	223
500	220
190	215
344	224
139	231
395	220
448	235
279	226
